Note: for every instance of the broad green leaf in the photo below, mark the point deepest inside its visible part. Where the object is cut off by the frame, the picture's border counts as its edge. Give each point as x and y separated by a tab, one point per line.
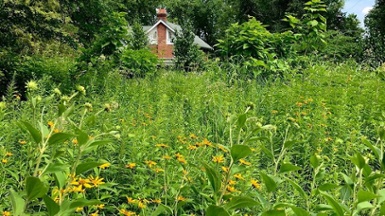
83	167
35	188
376	151
67	111
381	194
241	120
84	202
267	152
314	161
239	151
56	167
36	135
365	196
288	167
162	210
382	209
297	187
288	144
18	203
337	207
269	182
240	202
99	142
346	192
274	213
60	179
214	177
216	211
299	211
52	207
59	137
327	186
364	205
347	179
358	160
82	137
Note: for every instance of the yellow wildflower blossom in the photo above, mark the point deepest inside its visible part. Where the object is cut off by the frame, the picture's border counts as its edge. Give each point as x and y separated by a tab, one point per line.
244	162
218	159
181	198
22	142
192	147
105	165
79	209
232	182
150	163
167	157
157	201
100	206
239	176
205	142
225	169
96	181
255	184
130	200
230	189
4	161
8	154
193	136
127	213
222	148
141	205
95	214
131	165
75	141
50	124
6	213
158	170
161	145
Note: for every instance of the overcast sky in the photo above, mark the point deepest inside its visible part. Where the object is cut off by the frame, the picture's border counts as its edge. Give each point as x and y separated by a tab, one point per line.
359	7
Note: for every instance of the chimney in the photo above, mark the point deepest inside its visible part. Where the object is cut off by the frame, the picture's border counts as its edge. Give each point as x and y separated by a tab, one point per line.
161	14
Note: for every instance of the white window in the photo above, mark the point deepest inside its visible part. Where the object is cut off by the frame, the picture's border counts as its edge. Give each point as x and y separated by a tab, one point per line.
170	37
153	37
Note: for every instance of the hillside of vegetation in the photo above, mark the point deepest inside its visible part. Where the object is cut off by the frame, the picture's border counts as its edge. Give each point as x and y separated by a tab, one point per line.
183	144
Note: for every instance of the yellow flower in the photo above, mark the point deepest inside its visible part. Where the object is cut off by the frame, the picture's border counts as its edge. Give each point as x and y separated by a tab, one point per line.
79	209
192	147
8	154
167	157
206	143
244	162
75	141
218	159
78	189
95	213
239	176
96	181
56	130
274	112
255	184
6	213
127	213
225	169
85	182
100	206
130	200
131	165
222	148
105	165
181	160
4	161
181	198
193	136
232	182
230	189
150	163
50	124
157	201
158	170
22	142
161	145
141	205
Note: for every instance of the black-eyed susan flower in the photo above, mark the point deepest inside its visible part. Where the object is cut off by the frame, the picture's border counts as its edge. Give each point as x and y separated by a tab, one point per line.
161	145
150	163
181	198
131	165
244	162
130	200
230	189
192	147
50	124
239	176
4	161
6	213
255	184
100	206
127	213
95	214
8	154
156	201
79	209
167	157
218	159
95	181
22	142
225	169
105	165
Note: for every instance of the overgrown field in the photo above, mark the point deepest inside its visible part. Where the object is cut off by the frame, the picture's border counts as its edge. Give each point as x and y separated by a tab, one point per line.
194	144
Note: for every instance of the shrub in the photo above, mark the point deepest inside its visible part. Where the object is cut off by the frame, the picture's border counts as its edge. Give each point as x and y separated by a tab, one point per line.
139	62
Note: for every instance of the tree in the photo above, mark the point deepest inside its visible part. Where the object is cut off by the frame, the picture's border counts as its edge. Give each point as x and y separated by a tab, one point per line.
375	40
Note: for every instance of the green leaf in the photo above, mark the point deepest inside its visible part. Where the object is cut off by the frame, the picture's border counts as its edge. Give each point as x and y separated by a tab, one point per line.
82	137
347	179
358	160
60	179
289	144
270	183
365	196
35	188
59	137
162	210
288	167
274	213
364	205
299	211
67	111
240	202
56	167
214	177
36	135
297	187
241	120
18	203
216	211
314	161
83	167
239	151
376	151
337	207
99	142
52	207
327	186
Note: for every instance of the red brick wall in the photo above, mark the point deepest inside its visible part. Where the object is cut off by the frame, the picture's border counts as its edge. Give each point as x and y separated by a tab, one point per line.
164	50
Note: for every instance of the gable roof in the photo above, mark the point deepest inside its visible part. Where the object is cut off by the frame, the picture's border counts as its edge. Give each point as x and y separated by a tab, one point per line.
174	27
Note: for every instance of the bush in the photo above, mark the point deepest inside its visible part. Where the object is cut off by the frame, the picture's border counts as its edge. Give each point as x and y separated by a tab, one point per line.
139	63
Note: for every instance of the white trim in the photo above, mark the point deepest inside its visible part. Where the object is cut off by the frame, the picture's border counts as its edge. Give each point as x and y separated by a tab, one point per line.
156	24
168	38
